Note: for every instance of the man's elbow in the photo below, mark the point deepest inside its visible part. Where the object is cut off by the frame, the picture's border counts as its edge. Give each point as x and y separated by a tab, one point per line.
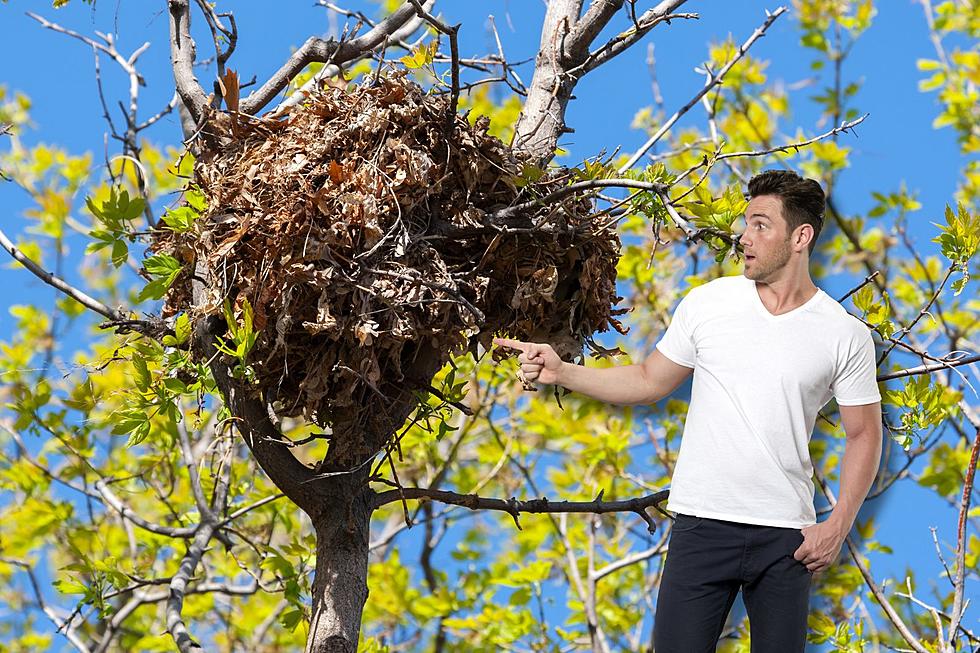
652	392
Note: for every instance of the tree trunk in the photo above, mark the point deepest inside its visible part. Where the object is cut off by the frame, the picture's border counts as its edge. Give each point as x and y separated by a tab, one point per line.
340	584
542	119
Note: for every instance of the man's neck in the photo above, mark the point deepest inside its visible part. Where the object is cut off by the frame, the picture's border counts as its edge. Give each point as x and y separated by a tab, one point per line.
787	292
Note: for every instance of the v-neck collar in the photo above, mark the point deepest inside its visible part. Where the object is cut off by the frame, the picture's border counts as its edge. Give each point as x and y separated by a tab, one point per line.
761	307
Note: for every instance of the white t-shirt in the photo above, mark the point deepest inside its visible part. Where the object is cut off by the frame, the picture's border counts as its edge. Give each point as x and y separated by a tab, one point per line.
759	380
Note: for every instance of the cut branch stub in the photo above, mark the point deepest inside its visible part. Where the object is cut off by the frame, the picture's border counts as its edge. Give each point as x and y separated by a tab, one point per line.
362	237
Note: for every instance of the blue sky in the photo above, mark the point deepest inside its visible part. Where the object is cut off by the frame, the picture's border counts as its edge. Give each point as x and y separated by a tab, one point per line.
895	144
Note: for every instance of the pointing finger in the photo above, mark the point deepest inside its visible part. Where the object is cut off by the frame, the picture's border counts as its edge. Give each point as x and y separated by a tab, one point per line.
511	344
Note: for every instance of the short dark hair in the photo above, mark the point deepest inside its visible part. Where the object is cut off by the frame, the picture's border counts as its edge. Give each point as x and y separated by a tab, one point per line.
803	199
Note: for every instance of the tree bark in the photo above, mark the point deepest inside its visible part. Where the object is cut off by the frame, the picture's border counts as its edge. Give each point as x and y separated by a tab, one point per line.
340	585
542	120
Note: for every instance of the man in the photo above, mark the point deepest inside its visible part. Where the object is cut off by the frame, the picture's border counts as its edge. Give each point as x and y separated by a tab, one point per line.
767	350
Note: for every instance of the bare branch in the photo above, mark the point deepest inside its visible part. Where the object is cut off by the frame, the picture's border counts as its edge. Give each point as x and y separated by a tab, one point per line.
331	69
217	27
542	119
451	32
124	511
319	50
961	543
52	280
596	634
710	163
716	79
878	593
596	17
178	586
622	42
515	507
517	209
928	369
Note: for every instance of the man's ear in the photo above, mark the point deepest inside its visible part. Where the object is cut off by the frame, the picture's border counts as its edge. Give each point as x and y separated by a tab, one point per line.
804	236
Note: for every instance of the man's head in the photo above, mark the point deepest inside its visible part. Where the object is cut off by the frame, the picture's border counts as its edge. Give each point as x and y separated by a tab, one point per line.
783	219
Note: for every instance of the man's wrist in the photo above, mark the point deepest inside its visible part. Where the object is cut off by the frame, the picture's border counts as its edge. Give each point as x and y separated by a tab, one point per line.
560	374
840	522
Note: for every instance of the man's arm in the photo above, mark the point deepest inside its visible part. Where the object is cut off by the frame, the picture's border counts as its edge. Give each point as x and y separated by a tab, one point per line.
626	385
622	385
862	452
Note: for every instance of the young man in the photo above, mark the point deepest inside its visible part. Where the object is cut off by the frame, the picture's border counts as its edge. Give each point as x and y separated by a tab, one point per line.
768	349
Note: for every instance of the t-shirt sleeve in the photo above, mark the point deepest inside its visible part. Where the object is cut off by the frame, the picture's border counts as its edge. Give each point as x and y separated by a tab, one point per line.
677	343
855	382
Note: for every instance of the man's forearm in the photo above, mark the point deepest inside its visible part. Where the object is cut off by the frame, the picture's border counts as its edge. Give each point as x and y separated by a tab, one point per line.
858	469
623	385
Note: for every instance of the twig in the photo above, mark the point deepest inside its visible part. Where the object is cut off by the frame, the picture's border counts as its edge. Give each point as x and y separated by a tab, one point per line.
961	543
927	369
75	640
319	50
878	593
398	37
52	280
571	189
622	42
452	32
842	128
715	80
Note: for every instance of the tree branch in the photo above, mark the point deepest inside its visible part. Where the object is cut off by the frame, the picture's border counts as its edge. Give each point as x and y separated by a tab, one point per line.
715	80
331	69
878	593
263	438
178	585
571	189
50	279
320	50
451	32
515	507
182	55
927	369
622	42
961	544
596	17
70	633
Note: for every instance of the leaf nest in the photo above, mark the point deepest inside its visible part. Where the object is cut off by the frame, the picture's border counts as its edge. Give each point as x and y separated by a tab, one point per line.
361	235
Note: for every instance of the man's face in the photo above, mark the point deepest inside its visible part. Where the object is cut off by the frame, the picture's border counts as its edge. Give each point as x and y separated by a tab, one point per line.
766	238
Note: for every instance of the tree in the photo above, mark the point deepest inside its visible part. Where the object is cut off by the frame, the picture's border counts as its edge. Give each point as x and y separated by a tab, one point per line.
242	402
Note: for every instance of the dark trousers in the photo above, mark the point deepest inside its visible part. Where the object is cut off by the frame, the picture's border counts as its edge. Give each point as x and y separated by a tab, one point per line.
708	561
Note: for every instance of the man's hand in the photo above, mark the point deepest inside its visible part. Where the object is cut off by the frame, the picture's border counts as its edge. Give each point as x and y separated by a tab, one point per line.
821	544
539	362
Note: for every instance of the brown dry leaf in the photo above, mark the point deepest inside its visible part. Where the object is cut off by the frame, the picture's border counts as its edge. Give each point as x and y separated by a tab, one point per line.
366	331
336	172
230	89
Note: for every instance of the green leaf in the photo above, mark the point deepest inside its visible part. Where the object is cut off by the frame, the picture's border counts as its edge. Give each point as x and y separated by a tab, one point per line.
139	434
291	618
69	587
421	56
142	373
182	328
161	265
164	268
120	253
863	298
